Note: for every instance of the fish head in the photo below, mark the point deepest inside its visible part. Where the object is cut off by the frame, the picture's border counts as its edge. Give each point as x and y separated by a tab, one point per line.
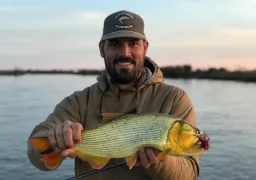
186	139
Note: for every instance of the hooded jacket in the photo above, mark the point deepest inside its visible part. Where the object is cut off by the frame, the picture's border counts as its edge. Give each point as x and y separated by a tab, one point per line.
151	94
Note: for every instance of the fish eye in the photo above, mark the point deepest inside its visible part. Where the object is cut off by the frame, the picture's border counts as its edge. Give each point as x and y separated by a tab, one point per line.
199	132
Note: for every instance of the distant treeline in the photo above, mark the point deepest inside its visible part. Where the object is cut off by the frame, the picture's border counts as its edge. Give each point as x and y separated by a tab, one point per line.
19	72
184	72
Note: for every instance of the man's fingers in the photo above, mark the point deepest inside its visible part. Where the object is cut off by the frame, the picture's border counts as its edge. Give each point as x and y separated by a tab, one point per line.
69	153
143	158
59	137
64	135
151	156
67	133
77	128
156	151
137	163
52	139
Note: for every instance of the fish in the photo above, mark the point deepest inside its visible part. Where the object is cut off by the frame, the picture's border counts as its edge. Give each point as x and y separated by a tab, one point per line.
123	135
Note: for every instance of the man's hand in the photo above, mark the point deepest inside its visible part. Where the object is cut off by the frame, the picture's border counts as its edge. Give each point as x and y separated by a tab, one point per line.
147	156
64	136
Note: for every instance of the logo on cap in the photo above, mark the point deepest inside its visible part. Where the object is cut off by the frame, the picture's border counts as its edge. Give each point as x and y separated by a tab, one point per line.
121	17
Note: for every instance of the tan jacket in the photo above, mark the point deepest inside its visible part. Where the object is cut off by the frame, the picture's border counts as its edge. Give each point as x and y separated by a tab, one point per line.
151	95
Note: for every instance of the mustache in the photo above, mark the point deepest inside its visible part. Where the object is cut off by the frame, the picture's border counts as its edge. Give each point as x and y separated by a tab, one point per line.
124	59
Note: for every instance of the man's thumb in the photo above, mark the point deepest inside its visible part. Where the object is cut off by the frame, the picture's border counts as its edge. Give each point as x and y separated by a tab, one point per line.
69	153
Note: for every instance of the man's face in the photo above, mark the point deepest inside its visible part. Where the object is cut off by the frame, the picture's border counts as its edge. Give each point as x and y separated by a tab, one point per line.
124	58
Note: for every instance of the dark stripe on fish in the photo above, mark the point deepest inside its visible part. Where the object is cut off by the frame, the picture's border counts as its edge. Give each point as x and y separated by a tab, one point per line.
47	151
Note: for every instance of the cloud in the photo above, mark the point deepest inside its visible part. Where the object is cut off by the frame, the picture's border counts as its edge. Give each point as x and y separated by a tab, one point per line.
203	45
90	15
90	20
71	30
62	33
30	41
20	9
87	18
201	37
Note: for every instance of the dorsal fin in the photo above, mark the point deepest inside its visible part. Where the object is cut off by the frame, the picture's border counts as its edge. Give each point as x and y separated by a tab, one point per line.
109	116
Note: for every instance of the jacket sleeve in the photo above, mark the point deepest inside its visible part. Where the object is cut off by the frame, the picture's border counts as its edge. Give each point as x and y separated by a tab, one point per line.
174	167
67	109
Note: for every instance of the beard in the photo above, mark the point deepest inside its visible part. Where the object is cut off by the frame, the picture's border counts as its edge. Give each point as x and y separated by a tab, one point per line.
124	75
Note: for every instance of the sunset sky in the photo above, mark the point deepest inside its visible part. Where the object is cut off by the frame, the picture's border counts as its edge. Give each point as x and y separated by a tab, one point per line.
65	34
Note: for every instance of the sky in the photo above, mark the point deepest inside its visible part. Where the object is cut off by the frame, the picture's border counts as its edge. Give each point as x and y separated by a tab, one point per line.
63	34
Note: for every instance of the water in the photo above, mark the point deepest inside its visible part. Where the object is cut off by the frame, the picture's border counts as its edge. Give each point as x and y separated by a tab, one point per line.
225	109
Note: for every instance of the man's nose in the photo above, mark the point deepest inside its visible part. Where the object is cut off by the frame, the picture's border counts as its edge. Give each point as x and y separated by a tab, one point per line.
125	50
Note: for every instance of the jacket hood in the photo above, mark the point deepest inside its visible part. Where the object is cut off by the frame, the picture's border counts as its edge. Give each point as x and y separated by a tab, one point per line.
150	75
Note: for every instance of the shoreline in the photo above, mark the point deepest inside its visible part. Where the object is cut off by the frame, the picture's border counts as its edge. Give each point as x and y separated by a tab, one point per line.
181	72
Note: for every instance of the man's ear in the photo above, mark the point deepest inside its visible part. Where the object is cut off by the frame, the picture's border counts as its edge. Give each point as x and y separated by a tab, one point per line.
146	44
101	48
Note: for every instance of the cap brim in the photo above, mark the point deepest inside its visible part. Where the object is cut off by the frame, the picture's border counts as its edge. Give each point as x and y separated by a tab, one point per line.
120	34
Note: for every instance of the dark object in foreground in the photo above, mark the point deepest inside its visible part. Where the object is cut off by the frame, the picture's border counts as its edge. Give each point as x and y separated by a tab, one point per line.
97	171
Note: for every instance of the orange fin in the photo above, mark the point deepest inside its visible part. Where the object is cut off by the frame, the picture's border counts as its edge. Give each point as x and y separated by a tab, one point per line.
131	160
109	116
95	162
163	154
98	163
52	160
40	143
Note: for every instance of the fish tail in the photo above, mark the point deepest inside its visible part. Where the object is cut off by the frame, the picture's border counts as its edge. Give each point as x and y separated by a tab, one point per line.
51	157
52	160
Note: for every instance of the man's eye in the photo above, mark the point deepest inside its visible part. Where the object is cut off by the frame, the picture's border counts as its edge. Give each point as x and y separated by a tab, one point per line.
114	44
133	43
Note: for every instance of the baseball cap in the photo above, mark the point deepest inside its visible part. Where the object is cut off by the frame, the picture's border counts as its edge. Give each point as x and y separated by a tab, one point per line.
123	24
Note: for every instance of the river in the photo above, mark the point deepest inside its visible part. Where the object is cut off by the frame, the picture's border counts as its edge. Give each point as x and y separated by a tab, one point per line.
225	109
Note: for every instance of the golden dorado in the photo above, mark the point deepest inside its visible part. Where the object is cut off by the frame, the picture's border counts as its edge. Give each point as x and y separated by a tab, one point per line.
123	135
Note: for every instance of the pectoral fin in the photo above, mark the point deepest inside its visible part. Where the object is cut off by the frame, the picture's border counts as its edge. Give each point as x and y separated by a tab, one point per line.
163	154
109	116
95	162
131	160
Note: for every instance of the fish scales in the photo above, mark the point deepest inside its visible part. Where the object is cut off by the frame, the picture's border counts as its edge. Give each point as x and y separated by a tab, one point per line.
123	137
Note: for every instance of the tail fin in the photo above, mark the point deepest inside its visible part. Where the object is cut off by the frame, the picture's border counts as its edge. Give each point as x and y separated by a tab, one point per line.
51	157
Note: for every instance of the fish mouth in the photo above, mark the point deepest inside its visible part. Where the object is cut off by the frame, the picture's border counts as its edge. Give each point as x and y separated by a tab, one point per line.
198	143
203	141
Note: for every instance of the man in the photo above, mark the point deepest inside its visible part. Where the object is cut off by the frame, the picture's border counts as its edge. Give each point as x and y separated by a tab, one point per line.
132	82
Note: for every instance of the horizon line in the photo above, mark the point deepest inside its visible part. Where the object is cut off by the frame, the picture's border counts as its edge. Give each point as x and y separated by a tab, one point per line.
103	68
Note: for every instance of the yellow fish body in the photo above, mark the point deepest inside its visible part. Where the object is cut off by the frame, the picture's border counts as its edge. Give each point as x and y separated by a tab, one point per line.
122	136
